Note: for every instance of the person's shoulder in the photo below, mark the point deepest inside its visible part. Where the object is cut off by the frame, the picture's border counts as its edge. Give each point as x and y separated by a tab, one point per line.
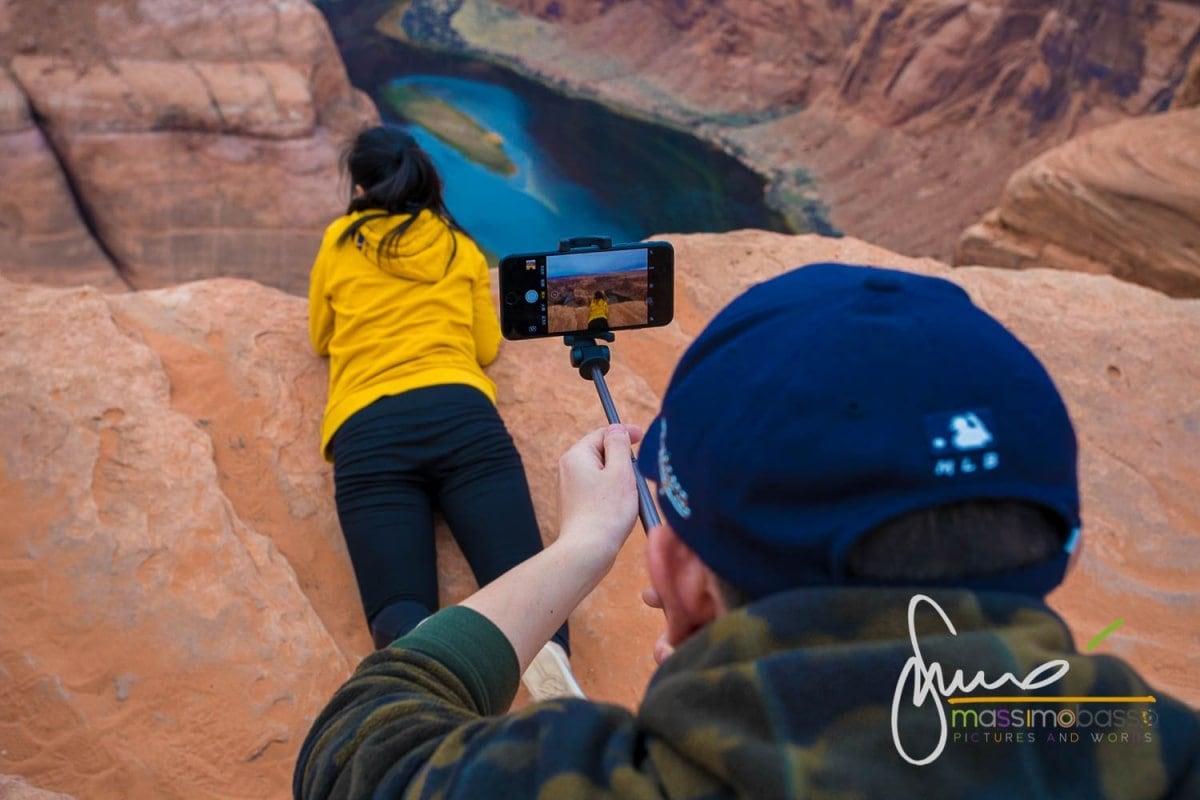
335	228
568	740
567	724
469	248
469	261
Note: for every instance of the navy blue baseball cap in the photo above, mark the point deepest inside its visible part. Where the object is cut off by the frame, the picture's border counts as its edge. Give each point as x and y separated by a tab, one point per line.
833	398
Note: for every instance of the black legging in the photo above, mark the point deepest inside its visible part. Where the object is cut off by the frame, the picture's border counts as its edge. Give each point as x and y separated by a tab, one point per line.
398	459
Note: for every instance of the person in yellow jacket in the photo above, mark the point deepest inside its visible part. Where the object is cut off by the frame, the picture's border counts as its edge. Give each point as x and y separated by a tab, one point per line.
598	312
400	302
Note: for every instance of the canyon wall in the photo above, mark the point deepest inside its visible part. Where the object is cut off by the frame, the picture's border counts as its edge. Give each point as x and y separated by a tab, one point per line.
899	123
899	120
1122	200
929	62
148	143
1188	94
176	603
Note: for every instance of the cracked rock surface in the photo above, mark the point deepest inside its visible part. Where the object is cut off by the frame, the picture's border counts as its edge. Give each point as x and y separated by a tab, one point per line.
176	603
152	143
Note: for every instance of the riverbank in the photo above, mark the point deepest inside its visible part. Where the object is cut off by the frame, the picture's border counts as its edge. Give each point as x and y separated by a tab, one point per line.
454	128
581	167
899	124
491	32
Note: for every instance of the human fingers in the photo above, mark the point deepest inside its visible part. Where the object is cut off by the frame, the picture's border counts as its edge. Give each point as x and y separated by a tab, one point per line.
618	447
585	453
591	447
597	493
662	650
635	432
605	449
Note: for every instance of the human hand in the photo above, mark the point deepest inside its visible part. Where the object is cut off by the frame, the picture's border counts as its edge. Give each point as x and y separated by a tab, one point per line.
597	494
662	648
598	501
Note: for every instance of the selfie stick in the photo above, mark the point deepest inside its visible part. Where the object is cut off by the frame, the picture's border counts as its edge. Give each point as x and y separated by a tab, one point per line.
592	360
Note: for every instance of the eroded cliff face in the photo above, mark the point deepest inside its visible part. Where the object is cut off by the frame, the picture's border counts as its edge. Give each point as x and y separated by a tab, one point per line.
909	115
177	603
898	62
1122	200
1188	94
148	143
42	236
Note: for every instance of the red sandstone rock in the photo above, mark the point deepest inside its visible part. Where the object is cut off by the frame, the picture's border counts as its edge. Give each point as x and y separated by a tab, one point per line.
1124	200
176	603
156	640
42	238
910	116
183	127
1188	95
893	62
17	789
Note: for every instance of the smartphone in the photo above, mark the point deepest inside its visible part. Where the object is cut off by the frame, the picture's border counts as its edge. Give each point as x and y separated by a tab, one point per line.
587	290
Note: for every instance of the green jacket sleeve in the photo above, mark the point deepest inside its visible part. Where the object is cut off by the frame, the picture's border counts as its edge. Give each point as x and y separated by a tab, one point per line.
413	721
455	668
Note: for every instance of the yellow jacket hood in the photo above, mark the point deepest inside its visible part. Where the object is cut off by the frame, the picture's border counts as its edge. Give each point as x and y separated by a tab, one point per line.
423	253
411	319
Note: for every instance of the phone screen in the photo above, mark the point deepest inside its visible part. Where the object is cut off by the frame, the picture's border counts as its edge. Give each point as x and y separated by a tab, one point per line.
554	294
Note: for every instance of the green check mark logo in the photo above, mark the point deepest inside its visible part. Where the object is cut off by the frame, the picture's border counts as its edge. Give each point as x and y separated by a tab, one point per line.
1095	641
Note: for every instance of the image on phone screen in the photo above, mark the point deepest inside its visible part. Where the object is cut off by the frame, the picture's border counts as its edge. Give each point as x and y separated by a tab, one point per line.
596	291
581	292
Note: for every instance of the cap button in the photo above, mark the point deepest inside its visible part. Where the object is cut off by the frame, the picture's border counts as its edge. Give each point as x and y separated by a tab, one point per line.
882	283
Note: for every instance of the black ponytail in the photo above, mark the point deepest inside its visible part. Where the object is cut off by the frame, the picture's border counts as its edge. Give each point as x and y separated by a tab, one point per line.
397	177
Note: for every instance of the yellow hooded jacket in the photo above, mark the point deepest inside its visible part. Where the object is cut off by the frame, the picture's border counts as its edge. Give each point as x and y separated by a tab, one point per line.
410	321
597	309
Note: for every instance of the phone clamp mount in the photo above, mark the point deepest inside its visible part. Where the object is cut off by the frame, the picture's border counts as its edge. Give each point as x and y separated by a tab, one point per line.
593	360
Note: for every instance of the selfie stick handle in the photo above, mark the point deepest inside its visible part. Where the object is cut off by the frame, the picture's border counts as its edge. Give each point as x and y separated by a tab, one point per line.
646	510
592	360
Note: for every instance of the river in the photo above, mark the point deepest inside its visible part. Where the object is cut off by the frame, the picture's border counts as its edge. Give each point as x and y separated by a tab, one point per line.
580	168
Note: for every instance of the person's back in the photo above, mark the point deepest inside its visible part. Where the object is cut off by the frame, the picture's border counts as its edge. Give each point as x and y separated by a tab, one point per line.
399	296
400	302
867	486
597	312
791	696
418	314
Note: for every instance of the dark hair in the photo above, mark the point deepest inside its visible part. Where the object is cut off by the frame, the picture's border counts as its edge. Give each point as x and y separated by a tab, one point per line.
599	295
956	540
397	177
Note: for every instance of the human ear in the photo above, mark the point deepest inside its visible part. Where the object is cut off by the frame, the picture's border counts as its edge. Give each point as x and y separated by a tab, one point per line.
686	587
1075	548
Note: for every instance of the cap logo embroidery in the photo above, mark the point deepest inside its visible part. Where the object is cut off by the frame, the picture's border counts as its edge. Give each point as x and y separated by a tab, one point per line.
969	432
961	442
669	486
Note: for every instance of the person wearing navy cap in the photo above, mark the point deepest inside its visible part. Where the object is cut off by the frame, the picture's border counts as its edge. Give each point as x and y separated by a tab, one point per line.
868	486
